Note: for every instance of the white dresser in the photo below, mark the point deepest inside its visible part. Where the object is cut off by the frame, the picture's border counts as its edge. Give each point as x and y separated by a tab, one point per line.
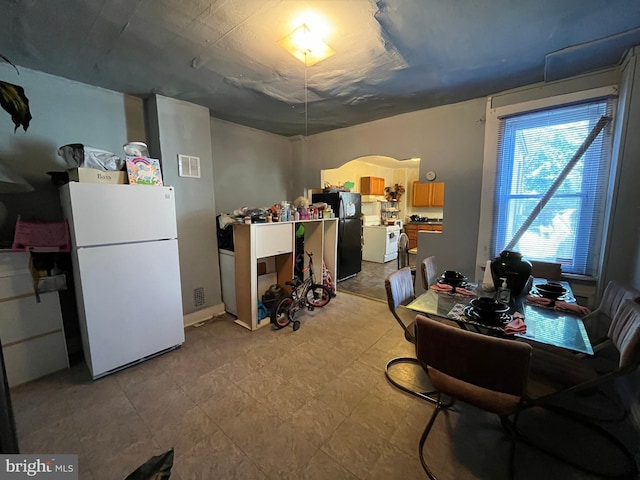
32	333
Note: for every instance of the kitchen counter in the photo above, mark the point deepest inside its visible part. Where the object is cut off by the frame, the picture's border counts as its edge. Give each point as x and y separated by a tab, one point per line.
412	228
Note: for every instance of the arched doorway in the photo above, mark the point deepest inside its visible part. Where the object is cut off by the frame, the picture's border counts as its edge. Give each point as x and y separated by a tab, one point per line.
370	175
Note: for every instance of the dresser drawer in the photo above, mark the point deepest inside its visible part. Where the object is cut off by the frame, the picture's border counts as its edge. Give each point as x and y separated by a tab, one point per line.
273	239
23	318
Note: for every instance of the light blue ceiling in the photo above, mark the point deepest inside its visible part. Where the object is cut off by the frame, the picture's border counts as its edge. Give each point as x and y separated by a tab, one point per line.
392	56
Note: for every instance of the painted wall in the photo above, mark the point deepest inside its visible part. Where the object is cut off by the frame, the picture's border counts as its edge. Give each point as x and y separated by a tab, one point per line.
448	140
353	171
356	169
250	167
622	247
63	112
178	127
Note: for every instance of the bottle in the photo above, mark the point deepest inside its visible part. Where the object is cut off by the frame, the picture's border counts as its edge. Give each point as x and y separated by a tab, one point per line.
504	294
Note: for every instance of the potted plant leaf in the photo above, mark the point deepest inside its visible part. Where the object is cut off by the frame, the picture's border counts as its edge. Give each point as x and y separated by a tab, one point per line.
14	101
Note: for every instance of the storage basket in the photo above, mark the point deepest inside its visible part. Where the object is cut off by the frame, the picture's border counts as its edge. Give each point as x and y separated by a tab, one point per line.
41	236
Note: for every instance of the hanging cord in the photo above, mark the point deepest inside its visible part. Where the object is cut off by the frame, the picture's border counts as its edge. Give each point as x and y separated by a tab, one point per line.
306	118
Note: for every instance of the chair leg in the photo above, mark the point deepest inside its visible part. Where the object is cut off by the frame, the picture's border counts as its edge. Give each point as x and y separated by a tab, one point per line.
425	434
430	396
510	427
633	468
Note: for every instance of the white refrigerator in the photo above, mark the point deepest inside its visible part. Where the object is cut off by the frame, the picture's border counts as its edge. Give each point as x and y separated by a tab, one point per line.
126	272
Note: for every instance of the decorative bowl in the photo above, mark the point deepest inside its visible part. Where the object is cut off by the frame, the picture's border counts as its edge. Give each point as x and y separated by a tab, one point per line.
488	307
452	278
551	290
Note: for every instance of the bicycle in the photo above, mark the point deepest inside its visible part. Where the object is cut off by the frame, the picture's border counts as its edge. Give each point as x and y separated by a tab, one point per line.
303	294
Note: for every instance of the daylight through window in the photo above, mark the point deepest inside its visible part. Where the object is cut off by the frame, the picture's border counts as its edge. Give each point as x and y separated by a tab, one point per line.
533	149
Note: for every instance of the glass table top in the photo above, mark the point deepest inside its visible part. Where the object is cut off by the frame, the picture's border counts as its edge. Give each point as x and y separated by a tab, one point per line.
544	325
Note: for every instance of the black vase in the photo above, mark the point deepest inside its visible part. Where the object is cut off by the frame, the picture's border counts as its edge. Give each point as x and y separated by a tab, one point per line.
514	268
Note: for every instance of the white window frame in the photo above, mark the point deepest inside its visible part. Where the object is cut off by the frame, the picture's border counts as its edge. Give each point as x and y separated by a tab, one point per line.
489	170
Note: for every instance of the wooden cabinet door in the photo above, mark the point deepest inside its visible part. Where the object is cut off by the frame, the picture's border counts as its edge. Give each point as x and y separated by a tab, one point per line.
428	194
372	185
437	194
365	185
412	235
421	194
378	185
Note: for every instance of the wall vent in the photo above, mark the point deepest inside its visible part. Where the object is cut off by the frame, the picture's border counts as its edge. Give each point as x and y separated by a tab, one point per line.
198	297
188	166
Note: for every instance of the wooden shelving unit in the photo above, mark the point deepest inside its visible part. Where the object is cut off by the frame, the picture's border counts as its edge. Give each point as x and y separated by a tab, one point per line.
256	241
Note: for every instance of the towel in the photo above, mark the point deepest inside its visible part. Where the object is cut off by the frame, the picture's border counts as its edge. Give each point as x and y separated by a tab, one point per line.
445	288
572	308
516	325
464	291
559	306
441	287
540	301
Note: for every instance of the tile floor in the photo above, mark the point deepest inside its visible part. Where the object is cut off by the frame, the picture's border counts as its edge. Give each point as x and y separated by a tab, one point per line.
370	281
234	404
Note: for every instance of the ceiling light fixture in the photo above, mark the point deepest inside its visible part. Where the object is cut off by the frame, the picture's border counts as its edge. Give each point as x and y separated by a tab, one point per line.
309	48
306	46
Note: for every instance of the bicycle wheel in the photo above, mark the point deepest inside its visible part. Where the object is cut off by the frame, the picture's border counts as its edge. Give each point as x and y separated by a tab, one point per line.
281	315
318	295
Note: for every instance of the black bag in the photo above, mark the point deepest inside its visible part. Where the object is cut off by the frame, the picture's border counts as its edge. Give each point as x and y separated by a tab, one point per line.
272	296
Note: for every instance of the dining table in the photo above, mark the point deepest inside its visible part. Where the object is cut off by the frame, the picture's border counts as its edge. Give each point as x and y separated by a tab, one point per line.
546	325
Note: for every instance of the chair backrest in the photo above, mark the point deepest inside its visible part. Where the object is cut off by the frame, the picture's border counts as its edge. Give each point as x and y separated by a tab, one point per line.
624	332
614	295
429	269
403	251
487	372
548	270
399	287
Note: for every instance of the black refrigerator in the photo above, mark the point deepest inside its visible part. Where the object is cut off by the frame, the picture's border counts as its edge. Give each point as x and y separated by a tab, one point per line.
347	207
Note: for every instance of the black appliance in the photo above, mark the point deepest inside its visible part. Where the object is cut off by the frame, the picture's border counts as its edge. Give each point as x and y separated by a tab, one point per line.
347	208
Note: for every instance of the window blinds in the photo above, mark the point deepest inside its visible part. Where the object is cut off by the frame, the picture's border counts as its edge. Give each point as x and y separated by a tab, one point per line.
533	149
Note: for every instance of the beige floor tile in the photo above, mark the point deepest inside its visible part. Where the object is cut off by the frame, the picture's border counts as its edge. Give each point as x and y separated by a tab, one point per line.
321	467
355	448
186	429
278	405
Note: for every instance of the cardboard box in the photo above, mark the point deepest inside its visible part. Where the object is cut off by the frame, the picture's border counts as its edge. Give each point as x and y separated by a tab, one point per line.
93	175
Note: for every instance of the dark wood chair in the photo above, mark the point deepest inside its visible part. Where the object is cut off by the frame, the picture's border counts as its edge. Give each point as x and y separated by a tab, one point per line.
548	270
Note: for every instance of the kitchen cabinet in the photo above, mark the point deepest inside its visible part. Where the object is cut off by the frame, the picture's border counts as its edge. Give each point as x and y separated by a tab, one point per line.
372	186
428	194
275	241
412	229
31	329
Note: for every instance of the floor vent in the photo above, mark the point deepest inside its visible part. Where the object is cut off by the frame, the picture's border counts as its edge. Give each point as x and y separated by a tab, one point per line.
198	297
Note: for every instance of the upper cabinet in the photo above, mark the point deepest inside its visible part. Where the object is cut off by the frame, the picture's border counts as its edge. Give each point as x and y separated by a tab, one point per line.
372	186
428	194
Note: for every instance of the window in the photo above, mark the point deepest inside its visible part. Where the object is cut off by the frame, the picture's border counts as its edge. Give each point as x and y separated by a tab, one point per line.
533	149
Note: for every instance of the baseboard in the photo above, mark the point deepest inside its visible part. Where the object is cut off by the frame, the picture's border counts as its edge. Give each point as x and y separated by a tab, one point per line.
203	315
